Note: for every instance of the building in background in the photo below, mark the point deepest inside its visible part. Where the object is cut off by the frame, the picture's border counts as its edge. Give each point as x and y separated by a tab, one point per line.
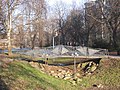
94	24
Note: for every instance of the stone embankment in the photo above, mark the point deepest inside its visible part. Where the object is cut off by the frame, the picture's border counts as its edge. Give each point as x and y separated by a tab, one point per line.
66	73
61	72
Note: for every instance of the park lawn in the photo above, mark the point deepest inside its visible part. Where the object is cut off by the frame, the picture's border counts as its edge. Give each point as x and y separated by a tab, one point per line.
108	75
59	59
51	60
21	76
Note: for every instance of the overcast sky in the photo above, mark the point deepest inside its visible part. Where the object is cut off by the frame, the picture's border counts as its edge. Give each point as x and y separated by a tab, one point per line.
69	2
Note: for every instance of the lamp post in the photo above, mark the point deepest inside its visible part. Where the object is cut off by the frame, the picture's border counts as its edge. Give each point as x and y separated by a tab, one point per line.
56	34
53	42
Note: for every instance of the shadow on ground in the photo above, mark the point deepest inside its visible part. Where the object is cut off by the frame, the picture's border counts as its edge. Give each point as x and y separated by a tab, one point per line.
3	86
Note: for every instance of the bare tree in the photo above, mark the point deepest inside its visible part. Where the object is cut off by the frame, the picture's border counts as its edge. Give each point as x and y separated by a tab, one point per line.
61	12
35	14
108	19
2	20
74	28
111	17
8	6
90	23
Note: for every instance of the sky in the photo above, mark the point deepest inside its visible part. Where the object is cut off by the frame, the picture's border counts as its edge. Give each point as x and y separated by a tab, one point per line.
69	2
51	2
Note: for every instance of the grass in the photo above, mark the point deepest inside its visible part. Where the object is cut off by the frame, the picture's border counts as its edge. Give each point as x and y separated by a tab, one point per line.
50	60
60	59
21	76
108	74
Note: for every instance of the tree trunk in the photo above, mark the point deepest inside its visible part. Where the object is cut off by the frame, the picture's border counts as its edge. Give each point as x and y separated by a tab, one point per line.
33	41
9	41
115	39
9	29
